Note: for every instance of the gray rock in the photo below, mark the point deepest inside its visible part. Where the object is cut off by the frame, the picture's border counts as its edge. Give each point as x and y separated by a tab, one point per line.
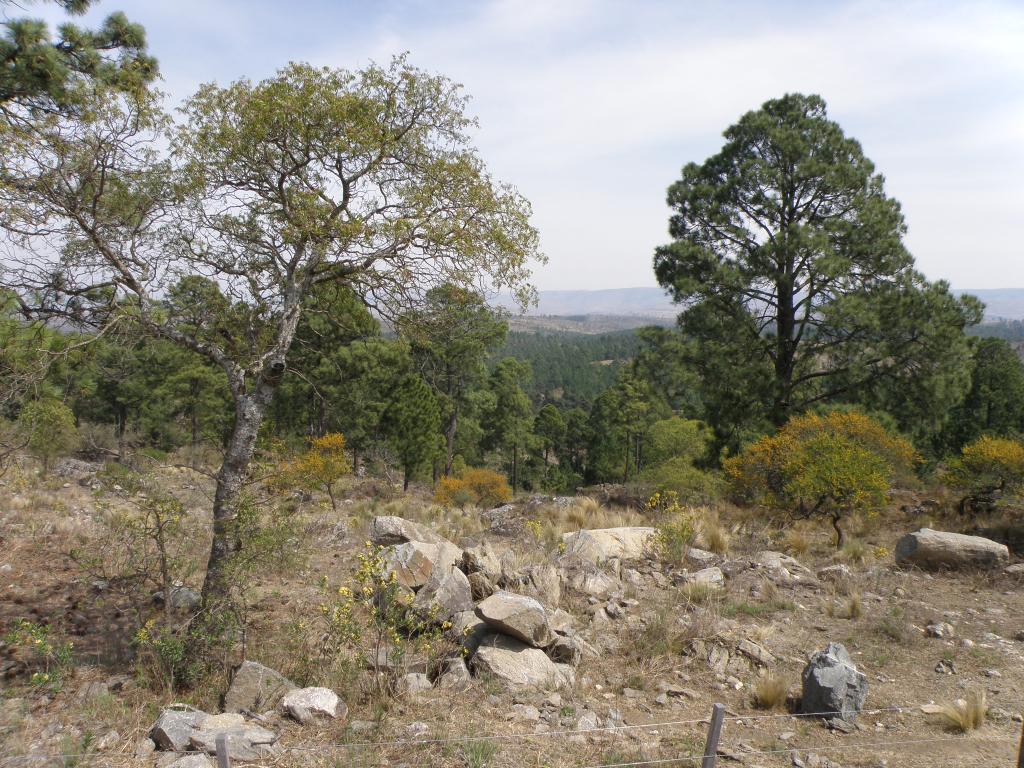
256	687
387	530
518	616
318	702
940	549
455	675
414	561
144	747
701	557
244	743
571	649
191	761
516	664
712	577
481	586
544	583
413	683
755	652
173	728
446	593
602	544
469	630
483	559
832	683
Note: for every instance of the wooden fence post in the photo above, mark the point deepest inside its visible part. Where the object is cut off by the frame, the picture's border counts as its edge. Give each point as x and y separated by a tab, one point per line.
714	732
1020	752
223	760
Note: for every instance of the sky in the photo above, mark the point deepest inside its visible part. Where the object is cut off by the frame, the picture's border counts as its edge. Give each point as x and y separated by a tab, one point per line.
591	107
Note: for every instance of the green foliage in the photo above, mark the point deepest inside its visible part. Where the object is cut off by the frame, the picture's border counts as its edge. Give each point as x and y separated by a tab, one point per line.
570	369
834	465
986	469
676	526
50	658
413	424
789	257
693	485
509	420
994	404
41	73
48	429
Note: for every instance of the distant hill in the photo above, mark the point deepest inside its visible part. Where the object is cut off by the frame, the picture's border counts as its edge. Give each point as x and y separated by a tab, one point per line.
648	302
652	306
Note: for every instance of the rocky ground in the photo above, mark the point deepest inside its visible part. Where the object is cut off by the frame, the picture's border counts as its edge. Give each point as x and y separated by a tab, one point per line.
570	643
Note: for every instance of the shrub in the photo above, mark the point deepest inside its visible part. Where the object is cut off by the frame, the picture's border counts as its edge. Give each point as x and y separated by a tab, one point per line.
51	660
832	465
482	487
676	529
322	466
986	469
48	430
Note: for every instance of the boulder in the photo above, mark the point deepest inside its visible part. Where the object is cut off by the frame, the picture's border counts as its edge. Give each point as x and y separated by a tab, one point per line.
413	683
700	557
455	674
446	593
940	549
173	728
571	648
469	630
244	741
388	530
755	652
414	561
835	574
518	616
516	664
593	583
483	559
255	687
318	702
602	544
712	577
544	583
191	761
832	685
481	586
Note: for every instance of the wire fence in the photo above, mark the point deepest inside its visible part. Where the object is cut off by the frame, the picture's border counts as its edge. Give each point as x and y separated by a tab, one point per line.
478	750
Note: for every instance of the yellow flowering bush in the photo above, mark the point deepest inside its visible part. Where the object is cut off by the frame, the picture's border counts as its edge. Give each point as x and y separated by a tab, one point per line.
833	465
50	658
985	470
320	467
482	487
676	526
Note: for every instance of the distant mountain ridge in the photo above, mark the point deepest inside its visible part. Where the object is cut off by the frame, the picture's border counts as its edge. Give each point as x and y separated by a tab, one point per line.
1000	303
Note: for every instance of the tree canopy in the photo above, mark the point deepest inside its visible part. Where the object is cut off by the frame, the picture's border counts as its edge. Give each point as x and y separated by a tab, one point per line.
789	258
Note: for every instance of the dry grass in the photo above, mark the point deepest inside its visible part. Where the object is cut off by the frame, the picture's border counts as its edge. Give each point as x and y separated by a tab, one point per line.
963	715
770	692
714	535
700	593
854	551
850	607
796	542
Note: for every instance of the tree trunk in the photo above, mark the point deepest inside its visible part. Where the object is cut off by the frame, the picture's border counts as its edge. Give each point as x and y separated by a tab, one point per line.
405	478
122	419
449	437
625	468
250	410
784	352
515	466
840	534
195	423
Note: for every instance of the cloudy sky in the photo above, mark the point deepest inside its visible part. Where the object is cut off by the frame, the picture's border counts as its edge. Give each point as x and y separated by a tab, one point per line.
591	107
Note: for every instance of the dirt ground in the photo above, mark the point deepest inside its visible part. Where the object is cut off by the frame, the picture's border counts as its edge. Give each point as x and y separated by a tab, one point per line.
41	522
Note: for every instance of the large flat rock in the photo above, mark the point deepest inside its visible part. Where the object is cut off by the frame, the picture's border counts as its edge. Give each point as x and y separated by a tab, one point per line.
931	549
602	544
514	663
518	616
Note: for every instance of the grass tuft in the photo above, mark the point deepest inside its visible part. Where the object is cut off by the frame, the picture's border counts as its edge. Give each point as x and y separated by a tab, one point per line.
964	715
770	692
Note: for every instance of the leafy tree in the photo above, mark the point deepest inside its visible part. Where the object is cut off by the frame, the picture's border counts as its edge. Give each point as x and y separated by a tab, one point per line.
550	427
986	469
509	425
832	465
785	245
677	438
312	176
41	73
995	402
413	425
48	429
450	337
